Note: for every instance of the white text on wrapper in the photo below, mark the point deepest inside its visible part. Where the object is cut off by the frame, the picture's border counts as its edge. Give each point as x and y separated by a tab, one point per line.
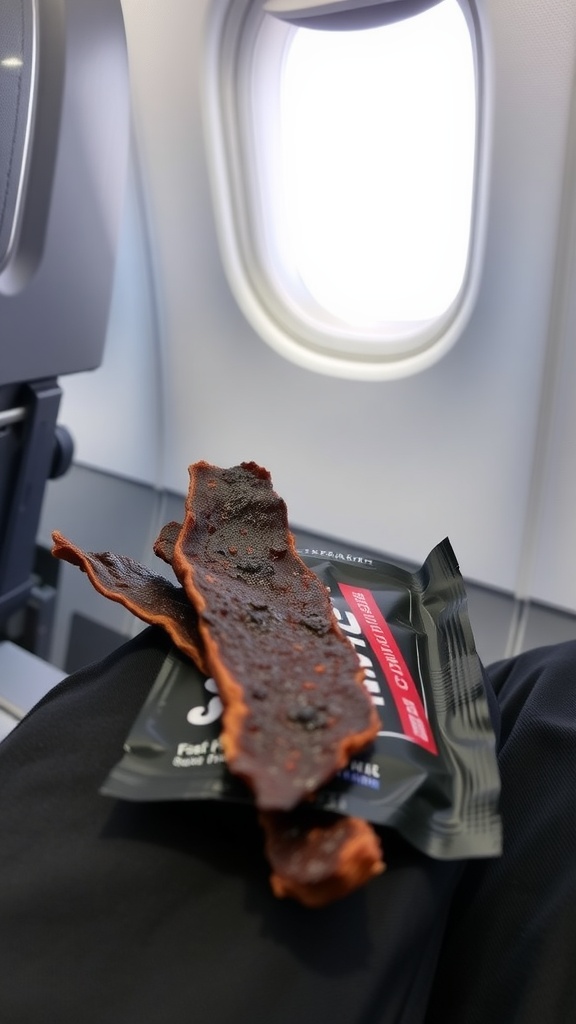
197	755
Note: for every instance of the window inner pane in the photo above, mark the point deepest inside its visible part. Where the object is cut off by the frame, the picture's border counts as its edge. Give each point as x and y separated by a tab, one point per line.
377	138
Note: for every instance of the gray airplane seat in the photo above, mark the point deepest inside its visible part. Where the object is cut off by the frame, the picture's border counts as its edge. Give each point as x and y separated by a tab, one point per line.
64	134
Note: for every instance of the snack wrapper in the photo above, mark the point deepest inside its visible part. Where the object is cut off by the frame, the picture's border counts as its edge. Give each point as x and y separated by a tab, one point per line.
431	774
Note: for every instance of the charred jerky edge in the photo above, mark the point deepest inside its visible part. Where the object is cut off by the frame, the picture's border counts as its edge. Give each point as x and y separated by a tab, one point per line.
164	543
147	595
317	857
224	580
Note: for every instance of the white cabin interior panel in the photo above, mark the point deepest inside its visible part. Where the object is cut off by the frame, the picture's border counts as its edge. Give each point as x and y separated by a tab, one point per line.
393	465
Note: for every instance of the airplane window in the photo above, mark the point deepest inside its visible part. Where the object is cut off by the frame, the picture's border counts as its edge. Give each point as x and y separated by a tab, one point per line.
349	174
377	132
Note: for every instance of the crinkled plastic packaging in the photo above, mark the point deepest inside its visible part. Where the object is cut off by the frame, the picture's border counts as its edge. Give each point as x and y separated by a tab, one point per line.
431	774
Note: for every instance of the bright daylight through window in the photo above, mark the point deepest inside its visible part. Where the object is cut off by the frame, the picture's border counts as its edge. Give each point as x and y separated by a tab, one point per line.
378	139
349	172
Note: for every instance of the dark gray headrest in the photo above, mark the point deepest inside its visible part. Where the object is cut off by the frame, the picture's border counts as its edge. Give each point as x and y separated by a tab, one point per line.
16	73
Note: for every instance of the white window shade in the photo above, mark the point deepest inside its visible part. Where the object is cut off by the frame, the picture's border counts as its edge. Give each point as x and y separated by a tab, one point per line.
349	179
345	15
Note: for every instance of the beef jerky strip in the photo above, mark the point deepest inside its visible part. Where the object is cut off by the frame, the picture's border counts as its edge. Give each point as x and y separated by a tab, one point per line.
312	863
151	597
295	707
318	857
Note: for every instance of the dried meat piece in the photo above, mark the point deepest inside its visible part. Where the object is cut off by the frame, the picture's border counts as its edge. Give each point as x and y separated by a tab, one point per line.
164	544
295	707
149	596
317	857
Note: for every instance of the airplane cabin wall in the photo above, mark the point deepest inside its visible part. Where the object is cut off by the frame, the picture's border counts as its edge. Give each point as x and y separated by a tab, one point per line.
479	447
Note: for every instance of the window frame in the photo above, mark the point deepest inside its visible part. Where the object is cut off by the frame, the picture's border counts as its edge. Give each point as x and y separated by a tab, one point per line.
268	291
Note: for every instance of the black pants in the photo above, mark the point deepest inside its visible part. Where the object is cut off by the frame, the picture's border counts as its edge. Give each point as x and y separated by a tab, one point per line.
115	912
509	953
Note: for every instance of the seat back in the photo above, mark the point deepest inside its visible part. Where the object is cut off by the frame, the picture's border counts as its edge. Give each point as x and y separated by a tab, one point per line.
64	136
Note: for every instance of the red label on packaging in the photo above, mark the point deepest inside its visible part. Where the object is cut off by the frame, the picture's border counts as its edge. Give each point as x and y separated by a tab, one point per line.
404	691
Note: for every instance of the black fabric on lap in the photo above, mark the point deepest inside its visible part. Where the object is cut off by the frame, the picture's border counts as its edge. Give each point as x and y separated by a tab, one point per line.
113	913
508	956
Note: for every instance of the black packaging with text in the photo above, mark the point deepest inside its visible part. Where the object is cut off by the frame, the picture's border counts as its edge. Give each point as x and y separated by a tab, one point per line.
431	774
